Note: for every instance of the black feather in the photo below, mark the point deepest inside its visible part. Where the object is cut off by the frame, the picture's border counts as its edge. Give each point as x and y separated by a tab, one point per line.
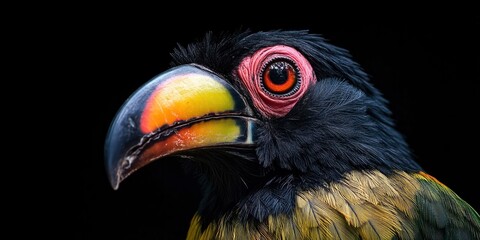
342	123
217	52
343	135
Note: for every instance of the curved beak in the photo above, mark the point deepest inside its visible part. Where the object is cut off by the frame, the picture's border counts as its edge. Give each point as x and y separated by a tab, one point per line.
184	108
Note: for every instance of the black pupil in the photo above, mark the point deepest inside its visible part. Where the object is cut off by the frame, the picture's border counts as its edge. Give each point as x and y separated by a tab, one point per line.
279	72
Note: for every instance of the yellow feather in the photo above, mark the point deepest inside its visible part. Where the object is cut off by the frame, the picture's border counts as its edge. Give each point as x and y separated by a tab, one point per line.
285	227
306	212
374	229
347	192
406	230
318	220
366	205
264	233
371	210
209	233
405	198
194	232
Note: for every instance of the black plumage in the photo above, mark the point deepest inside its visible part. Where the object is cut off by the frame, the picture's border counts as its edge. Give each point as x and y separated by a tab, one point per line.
346	119
332	166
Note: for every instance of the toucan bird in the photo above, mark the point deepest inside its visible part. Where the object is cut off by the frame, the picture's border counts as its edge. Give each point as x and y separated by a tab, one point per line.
288	139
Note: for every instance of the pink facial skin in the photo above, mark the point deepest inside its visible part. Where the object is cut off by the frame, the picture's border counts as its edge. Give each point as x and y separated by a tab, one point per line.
250	71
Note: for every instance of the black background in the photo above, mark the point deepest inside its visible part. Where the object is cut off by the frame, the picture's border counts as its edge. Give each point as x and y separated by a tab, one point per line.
427	69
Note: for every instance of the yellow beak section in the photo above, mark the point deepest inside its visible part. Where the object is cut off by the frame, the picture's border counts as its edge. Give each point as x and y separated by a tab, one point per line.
185	108
185	97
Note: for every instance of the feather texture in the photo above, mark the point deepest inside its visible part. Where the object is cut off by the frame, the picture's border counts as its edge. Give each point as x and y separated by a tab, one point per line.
364	205
444	212
331	167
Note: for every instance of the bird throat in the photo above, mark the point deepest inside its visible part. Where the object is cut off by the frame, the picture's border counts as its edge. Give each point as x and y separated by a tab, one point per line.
245	192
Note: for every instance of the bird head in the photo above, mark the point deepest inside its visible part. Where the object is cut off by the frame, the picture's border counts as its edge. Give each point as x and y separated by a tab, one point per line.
253	113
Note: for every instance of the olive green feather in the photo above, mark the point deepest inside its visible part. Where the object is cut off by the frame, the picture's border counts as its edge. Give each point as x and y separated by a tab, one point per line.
364	205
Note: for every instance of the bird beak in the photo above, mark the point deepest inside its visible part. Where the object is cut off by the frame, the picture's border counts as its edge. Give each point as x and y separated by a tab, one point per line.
187	107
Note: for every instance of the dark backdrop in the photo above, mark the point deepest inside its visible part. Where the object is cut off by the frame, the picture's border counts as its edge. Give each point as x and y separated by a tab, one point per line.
427	69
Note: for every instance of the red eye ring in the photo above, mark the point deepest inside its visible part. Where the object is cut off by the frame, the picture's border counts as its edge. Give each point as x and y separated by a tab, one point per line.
274	101
280	77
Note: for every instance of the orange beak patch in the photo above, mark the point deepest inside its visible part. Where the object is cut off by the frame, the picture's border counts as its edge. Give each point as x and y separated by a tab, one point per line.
185	108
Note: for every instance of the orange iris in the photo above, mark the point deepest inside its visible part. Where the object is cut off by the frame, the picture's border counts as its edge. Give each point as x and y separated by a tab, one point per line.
279	77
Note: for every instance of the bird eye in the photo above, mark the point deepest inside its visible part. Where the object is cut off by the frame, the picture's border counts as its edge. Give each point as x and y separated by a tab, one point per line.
280	77
276	78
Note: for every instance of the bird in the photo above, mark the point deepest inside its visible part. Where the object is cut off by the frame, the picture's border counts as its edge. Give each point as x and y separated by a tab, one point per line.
288	139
